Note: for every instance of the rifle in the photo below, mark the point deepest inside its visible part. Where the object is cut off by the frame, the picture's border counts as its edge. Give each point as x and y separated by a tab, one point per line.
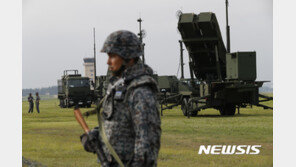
98	146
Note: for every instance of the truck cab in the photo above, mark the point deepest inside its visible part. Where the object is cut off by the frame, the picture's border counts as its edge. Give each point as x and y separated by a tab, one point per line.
73	89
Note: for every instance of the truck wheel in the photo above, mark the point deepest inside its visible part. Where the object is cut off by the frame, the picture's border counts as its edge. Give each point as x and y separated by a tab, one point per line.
67	104
194	113
61	103
191	106
228	109
184	106
222	110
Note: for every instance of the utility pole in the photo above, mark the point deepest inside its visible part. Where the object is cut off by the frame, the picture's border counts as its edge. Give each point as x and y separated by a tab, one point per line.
227	28
95	67
140	34
181	59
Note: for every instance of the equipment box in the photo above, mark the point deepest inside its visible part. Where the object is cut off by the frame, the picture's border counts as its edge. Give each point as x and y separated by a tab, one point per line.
241	66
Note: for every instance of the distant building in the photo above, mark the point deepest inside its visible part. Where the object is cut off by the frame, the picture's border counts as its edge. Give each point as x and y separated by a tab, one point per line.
89	68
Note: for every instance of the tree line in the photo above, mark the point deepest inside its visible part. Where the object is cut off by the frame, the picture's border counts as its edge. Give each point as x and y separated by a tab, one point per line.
52	90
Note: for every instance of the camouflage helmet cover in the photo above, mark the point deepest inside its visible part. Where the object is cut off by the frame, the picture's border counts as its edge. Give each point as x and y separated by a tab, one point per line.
123	43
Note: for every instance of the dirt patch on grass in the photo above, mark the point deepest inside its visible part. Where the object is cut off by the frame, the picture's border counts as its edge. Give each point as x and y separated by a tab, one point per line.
30	163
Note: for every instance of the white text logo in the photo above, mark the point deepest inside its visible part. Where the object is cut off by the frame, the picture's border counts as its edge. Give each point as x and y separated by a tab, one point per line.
229	149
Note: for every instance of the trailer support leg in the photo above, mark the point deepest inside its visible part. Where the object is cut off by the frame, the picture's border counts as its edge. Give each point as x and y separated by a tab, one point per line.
161	110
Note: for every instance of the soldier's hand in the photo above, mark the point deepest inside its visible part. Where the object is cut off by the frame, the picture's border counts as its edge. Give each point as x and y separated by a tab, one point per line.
89	141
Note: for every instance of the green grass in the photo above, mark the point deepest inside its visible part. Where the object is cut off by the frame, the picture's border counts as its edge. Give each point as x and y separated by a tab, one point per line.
52	137
43	97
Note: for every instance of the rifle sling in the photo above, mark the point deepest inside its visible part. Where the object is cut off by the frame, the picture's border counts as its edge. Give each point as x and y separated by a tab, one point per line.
103	134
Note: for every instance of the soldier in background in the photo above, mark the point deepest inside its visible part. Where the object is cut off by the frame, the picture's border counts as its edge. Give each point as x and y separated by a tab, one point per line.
130	114
37	102
31	103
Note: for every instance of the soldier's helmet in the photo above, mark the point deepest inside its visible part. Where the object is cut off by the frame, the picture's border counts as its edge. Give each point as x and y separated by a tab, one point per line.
123	43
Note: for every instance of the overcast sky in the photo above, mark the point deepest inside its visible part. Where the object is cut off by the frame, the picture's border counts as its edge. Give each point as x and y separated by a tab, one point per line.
57	34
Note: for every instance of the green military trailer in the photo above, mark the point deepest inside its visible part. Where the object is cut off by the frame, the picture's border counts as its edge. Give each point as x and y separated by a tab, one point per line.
171	91
73	89
226	80
101	86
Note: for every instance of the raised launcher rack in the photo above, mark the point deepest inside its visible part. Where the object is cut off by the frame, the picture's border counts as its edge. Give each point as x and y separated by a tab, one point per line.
202	38
225	83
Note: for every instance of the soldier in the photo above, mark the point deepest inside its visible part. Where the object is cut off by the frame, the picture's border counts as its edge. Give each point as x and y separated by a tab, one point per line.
130	111
31	103
37	102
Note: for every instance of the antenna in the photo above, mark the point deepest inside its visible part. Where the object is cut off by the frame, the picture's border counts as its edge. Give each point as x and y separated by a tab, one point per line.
141	35
227	28
95	71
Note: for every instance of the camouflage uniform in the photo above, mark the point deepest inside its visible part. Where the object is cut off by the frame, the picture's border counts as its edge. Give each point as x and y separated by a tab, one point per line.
130	113
123	43
31	104
37	103
132	123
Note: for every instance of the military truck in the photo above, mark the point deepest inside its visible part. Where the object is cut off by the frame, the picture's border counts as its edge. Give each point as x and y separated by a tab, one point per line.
73	89
226	79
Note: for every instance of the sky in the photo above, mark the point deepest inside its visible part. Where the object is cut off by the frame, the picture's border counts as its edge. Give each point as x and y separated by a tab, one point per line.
57	34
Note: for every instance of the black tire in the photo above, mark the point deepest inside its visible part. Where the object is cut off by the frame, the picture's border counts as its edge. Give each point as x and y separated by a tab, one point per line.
67	104
62	103
194	113
88	105
190	107
222	111
228	109
184	106
231	110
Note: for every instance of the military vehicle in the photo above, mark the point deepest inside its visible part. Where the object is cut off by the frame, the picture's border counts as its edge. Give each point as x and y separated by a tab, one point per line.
73	89
226	79
171	91
102	82
174	91
100	87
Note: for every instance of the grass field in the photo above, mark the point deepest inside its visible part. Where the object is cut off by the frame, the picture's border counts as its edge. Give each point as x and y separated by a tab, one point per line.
52	137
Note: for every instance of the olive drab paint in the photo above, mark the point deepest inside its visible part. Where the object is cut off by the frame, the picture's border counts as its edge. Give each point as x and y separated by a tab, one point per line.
73	89
227	80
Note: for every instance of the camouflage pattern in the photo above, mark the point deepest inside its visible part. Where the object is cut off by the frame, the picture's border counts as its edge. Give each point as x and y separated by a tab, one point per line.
37	99
131	118
30	99
37	103
123	43
31	104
